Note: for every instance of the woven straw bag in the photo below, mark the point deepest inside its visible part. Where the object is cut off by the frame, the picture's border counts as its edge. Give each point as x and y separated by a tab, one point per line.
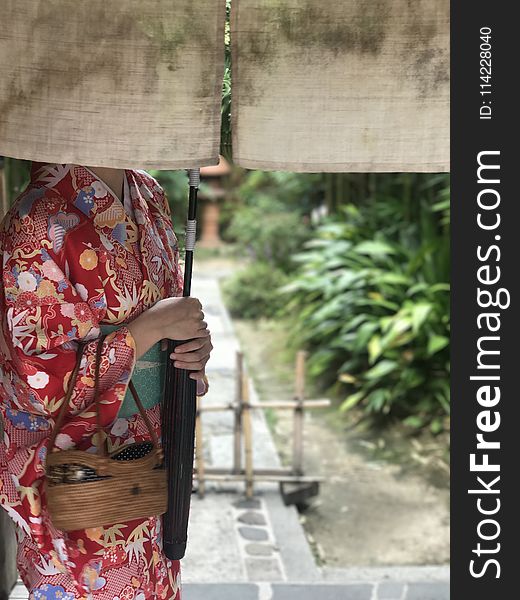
87	490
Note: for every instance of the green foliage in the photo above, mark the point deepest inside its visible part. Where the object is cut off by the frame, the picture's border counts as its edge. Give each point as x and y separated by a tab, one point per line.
175	184
297	192
17	174
253	292
225	128
267	217
268	232
371	302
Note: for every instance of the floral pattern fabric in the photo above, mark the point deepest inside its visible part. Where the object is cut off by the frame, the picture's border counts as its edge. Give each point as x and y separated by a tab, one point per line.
73	259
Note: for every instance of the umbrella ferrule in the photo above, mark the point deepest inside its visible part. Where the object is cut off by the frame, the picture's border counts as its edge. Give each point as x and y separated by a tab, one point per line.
191	229
194	177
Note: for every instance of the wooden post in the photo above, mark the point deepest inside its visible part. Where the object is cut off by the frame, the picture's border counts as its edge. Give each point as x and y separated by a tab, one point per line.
280	404
248	437
264	475
299	392
237	429
199	453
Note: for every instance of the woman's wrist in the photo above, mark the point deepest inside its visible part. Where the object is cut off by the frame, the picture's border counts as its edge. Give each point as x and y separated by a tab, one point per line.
144	332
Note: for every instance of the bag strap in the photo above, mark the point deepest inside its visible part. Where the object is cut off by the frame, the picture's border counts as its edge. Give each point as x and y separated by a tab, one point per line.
72	381
68	394
151	430
102	448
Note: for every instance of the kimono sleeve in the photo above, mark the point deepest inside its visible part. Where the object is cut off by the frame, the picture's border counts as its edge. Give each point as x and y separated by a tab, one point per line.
160	207
44	315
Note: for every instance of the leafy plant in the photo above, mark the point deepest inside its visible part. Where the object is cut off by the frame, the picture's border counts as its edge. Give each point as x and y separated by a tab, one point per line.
253	292
268	233
17	175
225	128
371	302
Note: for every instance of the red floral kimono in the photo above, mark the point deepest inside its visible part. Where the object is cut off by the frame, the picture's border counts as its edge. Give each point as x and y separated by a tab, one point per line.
73	258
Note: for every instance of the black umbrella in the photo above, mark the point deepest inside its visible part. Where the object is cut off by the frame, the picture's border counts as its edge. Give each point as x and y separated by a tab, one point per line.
179	415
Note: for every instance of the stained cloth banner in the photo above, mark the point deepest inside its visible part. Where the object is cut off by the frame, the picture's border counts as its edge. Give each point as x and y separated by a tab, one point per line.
134	84
322	85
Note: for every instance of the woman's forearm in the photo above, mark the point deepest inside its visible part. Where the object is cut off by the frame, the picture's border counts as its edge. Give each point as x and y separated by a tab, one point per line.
144	332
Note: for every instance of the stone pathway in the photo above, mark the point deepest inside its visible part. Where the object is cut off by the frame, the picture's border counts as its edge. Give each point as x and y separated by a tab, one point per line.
230	538
256	549
361	591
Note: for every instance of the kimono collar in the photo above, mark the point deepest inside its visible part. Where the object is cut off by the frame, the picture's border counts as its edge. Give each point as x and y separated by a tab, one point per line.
80	177
91	195
87	193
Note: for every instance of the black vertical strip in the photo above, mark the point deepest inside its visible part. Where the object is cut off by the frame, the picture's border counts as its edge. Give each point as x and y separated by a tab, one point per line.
490	540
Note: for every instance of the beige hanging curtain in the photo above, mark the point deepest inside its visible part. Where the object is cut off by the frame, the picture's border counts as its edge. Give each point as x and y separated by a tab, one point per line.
121	84
350	85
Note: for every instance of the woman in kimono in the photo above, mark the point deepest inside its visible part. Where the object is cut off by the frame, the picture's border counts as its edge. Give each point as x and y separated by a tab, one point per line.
87	251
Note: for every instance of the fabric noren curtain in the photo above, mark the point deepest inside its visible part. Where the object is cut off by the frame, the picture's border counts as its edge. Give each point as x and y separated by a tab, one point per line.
133	84
322	85
318	85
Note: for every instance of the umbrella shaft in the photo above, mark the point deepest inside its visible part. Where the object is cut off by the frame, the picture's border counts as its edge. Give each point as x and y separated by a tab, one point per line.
191	228
179	415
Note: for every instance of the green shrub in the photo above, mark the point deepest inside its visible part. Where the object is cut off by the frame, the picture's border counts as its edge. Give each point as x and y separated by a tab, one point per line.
268	233
17	175
371	303
252	293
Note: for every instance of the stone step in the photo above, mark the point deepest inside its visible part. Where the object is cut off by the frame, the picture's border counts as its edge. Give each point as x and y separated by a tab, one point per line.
317	591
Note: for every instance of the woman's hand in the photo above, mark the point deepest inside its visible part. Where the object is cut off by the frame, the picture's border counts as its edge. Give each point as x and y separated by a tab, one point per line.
193	355
178	318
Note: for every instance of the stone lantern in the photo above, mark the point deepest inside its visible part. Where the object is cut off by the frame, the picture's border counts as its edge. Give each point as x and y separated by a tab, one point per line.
210	202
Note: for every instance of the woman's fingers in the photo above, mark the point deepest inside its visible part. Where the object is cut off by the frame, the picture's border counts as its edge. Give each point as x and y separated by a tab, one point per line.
199	331
198	375
193	362
193	345
191	366
194	326
202	386
194	353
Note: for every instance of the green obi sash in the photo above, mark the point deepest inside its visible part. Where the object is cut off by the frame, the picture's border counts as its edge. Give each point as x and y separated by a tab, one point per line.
148	377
